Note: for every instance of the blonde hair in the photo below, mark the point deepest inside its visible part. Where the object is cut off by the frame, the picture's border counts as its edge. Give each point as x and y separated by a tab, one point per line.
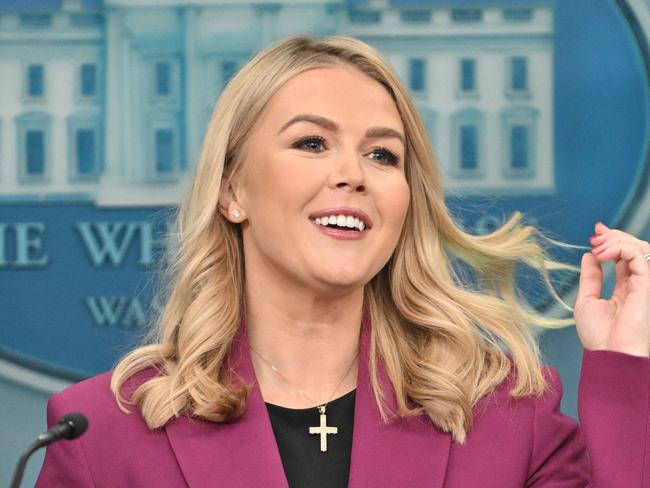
445	344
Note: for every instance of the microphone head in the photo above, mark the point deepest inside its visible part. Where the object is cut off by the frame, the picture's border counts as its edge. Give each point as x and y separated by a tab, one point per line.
77	422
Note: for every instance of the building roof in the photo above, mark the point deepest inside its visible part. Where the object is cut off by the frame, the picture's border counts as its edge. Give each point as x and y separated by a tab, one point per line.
40	6
458	3
53	5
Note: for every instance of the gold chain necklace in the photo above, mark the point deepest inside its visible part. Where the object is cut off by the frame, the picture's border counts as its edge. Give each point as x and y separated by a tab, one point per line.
323	429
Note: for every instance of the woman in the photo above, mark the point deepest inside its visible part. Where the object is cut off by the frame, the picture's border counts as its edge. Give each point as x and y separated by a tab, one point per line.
314	289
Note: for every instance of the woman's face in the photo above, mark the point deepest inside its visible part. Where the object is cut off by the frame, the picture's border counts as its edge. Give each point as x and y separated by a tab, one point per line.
330	143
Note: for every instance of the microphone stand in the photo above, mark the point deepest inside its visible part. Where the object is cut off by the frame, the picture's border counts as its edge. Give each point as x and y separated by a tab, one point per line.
22	462
70	426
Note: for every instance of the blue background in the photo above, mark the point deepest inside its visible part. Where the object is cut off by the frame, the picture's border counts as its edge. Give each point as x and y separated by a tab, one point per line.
601	127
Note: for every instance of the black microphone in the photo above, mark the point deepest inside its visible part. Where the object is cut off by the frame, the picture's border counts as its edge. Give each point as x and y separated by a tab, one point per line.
70	426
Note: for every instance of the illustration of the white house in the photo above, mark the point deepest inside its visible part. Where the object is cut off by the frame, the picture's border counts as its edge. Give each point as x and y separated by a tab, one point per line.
109	104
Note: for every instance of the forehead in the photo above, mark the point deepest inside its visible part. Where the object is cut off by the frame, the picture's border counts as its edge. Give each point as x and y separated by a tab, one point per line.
342	93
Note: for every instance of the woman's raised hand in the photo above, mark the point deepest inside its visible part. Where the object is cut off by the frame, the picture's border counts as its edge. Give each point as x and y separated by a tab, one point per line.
622	322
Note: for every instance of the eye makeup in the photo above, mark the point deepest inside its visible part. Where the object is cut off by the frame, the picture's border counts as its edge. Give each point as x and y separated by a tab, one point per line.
389	157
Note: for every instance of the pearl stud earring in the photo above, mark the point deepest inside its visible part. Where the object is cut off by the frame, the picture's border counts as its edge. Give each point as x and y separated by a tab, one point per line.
236	213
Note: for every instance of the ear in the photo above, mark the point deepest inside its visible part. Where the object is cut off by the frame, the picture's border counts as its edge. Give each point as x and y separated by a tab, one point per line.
229	203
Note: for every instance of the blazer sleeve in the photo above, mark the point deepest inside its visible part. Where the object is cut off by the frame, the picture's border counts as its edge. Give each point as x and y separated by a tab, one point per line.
609	448
65	463
614	409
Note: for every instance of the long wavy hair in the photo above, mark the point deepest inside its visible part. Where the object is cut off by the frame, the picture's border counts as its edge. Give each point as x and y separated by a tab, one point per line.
445	342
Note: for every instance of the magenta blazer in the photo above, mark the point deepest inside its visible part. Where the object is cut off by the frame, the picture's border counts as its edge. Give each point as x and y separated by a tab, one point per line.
513	444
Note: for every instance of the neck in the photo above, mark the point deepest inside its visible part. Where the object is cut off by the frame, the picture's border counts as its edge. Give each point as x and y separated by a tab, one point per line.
312	341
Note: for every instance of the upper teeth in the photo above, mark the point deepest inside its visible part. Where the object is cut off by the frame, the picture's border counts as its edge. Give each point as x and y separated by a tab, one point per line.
341	221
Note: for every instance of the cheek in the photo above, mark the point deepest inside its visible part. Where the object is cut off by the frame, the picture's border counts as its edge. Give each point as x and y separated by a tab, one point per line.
285	181
268	192
396	204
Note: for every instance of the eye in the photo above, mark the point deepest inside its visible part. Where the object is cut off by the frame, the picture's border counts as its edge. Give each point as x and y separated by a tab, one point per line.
311	143
387	156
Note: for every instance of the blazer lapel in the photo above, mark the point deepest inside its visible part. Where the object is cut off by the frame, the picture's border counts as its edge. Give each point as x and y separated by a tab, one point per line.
406	452
244	453
240	453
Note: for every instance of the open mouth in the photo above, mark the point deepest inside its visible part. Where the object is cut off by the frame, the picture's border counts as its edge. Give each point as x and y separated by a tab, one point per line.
341	222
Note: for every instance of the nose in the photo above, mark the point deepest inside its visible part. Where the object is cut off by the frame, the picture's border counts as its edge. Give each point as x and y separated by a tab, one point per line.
348	173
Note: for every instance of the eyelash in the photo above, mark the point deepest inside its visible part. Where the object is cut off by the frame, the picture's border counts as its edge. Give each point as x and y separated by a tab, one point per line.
393	158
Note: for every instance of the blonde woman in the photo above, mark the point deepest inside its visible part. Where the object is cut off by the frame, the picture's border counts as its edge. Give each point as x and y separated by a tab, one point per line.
316	335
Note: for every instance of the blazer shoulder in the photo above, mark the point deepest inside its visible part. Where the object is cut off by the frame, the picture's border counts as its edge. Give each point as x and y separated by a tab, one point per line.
86	392
552	392
114	438
93	396
498	412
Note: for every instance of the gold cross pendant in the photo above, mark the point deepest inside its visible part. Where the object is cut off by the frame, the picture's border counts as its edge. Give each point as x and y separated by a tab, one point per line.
323	429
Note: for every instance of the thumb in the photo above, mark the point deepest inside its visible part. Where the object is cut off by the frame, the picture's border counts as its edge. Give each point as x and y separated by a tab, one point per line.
591	280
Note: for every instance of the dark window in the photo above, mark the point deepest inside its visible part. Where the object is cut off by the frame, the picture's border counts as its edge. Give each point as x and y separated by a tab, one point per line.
85	147
35	80
469	147
365	16
164	151
85	20
35	20
416	16
228	70
417	74
163	78
519	74
519	144
88	80
466	14
468	75
35	151
518	14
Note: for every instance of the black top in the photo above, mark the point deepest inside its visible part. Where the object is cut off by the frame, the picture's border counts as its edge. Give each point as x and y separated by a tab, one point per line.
304	464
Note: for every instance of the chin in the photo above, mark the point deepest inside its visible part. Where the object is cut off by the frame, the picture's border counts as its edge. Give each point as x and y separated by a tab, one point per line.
342	279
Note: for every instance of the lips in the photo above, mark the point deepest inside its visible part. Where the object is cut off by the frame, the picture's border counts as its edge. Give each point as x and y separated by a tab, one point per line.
347	211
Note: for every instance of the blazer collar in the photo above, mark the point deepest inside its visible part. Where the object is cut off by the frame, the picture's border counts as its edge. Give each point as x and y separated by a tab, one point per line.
244	453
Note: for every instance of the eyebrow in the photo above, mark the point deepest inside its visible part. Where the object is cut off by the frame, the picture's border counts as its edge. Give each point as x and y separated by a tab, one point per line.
332	126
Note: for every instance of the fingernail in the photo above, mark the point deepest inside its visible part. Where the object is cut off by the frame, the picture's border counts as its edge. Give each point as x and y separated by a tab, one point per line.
591	239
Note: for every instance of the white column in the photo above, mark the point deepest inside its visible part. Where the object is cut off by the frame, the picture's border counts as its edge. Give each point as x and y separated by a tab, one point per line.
267	13
193	75
113	137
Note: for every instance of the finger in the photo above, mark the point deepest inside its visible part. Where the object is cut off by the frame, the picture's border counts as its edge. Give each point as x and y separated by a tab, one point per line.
622	268
603	236
602	233
631	251
622	272
612	236
621	284
591	279
600	228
